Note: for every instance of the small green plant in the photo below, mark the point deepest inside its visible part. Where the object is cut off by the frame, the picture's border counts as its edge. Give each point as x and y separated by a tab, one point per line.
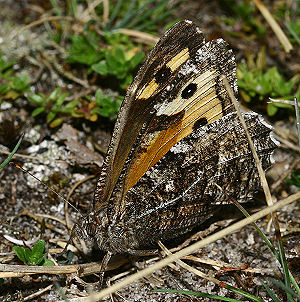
58	108
11	85
34	256
106	106
53	105
84	50
117	58
117	65
255	81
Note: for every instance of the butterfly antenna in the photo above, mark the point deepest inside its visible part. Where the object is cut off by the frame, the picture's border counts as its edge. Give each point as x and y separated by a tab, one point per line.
57	194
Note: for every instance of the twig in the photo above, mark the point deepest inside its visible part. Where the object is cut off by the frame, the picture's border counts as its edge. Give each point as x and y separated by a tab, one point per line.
223	264
8	271
47	224
105	11
67	74
287	143
279	101
42	20
38	293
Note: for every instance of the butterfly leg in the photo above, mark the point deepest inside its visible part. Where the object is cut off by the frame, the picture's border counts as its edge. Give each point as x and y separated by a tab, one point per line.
103	267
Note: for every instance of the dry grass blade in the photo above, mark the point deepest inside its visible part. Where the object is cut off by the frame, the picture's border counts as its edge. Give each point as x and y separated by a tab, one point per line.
140	36
262	176
38	293
190	268
8	271
86	15
274	25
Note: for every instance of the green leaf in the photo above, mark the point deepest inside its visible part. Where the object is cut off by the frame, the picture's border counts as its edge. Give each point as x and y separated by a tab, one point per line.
5	65
38	248
35	260
38	111
37	99
113	65
4	88
100	68
83	51
50	116
20	252
61	99
119	55
56	122
48	262
72	104
54	94
271	109
136	59
27	252
99	96
282	105
20	83
37	253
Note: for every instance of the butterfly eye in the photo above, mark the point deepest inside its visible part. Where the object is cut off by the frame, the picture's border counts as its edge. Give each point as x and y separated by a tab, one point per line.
188	91
163	75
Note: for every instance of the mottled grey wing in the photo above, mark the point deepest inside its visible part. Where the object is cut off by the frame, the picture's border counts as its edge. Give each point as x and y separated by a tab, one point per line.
178	87
204	169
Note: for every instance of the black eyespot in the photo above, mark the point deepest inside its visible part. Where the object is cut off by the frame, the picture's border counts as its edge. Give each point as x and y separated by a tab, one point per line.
199	123
189	91
162	75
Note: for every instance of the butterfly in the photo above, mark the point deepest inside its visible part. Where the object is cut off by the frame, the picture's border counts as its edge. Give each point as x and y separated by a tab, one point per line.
178	149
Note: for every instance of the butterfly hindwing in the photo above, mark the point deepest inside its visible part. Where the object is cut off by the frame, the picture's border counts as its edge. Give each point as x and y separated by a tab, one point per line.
205	169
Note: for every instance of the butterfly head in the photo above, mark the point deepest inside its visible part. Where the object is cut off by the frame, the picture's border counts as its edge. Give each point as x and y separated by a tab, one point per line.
92	226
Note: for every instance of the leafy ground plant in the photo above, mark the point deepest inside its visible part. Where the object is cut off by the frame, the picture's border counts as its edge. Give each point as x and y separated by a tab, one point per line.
34	256
255	81
11	85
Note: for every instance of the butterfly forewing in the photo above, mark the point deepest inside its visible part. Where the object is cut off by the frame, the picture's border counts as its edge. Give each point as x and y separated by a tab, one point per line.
194	98
161	67
179	88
